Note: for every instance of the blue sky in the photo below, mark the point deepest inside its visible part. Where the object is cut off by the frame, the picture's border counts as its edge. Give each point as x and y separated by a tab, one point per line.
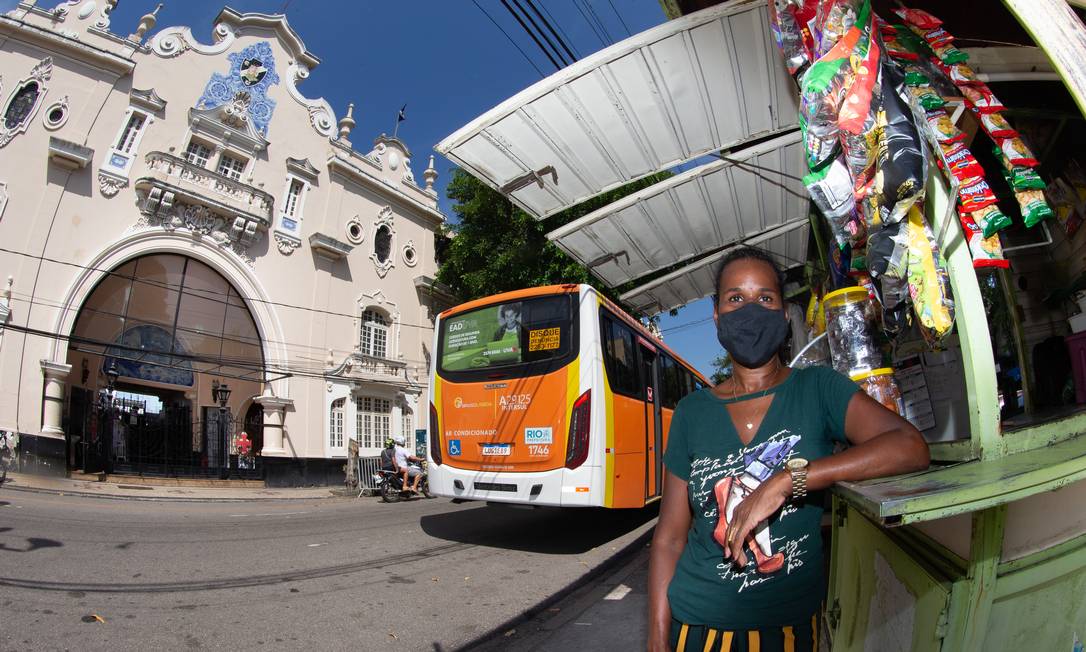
445	59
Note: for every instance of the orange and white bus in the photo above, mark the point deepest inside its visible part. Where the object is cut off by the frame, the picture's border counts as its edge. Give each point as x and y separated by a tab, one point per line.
551	396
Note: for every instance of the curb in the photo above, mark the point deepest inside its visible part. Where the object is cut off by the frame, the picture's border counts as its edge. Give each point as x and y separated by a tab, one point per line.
158	499
603	568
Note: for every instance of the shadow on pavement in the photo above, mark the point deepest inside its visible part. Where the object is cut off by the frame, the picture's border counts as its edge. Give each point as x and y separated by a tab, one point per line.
32	544
551	531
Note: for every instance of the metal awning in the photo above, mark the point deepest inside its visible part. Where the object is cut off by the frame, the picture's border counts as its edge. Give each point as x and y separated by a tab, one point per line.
700	211
786	243
702	83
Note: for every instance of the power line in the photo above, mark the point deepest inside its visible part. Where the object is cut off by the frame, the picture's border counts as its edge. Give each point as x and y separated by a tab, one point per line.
596	17
620	19
603	41
502	30
565	37
530	33
557	38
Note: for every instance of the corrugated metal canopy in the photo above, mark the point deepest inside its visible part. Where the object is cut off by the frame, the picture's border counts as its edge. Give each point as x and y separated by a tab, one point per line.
786	243
698	84
688	215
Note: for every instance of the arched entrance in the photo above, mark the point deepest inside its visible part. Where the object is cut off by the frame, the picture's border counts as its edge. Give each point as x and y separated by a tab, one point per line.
163	329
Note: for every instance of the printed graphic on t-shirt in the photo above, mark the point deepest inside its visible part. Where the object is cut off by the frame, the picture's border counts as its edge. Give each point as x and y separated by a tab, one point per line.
718	486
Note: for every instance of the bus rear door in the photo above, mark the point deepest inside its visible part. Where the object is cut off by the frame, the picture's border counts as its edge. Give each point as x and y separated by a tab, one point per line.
654	446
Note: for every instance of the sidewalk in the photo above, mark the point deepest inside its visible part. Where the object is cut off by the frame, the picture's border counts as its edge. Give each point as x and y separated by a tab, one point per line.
136	490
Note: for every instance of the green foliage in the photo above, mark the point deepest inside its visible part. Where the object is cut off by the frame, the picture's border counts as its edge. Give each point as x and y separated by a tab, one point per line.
722	369
496	247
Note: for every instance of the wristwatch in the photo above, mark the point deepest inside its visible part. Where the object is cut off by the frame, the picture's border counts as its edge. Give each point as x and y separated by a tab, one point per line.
797	468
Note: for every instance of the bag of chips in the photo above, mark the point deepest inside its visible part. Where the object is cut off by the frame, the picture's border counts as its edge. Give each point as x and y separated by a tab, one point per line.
831	190
960	162
918	18
996	126
1022	178
945	130
990	219
902	166
949	54
928	99
1033	205
788	32
986	252
833	20
981	99
963	75
975	194
929	283
938	37
898	50
1016	152
916	77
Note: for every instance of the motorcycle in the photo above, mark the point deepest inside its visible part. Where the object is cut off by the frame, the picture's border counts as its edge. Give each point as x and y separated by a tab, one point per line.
390	485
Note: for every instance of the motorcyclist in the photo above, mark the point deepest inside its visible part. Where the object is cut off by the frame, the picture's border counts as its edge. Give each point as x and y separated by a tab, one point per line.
402	458
388	456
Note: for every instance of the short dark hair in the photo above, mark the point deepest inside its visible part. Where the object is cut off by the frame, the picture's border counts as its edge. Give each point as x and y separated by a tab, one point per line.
746	253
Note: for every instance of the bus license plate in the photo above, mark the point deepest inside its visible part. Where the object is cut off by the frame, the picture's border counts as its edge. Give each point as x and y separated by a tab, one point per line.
497	449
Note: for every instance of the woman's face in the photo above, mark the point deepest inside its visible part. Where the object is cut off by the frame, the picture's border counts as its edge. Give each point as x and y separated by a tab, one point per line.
745	281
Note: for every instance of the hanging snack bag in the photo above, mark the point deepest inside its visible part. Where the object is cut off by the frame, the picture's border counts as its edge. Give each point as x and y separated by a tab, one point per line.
928	99
981	99
898	50
1023	178
1016	152
986	252
990	219
918	18
950	55
901	163
929	284
960	161
831	191
1033	205
996	126
916	77
787	30
938	37
975	194
945	130
963	75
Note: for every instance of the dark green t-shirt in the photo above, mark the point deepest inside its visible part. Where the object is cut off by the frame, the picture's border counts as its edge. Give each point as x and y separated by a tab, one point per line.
783	585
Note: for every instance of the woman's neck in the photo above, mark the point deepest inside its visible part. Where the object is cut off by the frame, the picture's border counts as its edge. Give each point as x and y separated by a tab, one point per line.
755	380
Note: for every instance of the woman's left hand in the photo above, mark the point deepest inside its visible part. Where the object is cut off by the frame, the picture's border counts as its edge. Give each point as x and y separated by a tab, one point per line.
762	503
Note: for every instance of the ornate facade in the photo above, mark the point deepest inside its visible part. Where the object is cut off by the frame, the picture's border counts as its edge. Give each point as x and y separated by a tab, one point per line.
175	215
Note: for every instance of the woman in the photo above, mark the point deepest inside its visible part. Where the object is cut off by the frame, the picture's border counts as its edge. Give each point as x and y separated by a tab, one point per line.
737	555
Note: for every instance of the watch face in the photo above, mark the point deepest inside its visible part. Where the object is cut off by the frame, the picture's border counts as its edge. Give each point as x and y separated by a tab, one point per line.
796	463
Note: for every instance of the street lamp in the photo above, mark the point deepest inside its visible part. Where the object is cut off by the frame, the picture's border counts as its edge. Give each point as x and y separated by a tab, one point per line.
220	392
111	379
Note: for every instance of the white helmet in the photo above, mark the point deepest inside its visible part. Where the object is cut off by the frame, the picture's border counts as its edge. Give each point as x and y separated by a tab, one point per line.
398	439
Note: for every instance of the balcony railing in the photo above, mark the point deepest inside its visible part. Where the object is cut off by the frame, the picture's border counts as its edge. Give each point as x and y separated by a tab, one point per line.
197	180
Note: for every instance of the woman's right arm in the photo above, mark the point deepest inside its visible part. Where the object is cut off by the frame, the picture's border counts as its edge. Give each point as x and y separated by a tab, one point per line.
667	545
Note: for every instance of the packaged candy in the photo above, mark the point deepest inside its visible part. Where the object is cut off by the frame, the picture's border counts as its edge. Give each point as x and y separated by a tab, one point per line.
981	99
926	97
835	18
853	117
787	31
929	283
960	161
990	220
986	252
879	384
975	194
1016	152
945	130
918	18
887	251
1033	205
949	54
894	297
962	74
996	126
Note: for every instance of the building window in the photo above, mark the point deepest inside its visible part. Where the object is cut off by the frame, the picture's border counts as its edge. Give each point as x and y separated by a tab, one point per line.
292	205
335	424
407	423
231	167
197	154
373	334
382	243
373	421
130	135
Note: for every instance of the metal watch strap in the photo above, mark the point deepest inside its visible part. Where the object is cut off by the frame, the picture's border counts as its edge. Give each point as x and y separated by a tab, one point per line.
799	482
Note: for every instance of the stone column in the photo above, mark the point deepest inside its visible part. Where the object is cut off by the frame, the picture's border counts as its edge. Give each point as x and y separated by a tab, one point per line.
274	416
56	376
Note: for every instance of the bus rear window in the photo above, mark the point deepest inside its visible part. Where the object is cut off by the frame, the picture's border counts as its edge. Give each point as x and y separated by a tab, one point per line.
508	334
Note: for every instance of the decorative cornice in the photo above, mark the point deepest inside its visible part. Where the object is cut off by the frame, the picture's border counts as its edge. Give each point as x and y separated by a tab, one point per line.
110	184
211	124
69	155
303	168
275	22
351	171
67	45
321	115
55	370
173	41
147	99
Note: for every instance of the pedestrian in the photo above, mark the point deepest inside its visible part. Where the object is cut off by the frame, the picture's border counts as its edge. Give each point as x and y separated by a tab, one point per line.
736	559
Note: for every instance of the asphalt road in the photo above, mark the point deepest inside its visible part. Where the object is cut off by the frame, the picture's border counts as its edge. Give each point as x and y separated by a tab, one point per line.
98	574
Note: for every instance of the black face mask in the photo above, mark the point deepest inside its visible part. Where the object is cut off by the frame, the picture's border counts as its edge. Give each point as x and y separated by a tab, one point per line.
753	334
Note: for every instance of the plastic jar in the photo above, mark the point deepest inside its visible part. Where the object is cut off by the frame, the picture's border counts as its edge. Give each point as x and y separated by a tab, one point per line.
880	385
848	327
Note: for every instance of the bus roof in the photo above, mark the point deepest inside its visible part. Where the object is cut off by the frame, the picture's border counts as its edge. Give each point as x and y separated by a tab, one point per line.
569	288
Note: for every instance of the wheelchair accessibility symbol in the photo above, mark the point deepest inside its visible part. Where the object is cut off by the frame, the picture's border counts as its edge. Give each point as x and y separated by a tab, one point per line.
454	447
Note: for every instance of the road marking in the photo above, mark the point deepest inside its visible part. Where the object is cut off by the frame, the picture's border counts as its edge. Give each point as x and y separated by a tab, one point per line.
316	545
618	592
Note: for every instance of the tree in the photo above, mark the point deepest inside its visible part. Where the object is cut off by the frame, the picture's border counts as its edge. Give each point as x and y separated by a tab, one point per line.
722	369
496	247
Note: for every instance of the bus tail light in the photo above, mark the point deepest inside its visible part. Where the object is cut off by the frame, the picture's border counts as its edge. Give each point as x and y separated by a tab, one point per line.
579	422
435	436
